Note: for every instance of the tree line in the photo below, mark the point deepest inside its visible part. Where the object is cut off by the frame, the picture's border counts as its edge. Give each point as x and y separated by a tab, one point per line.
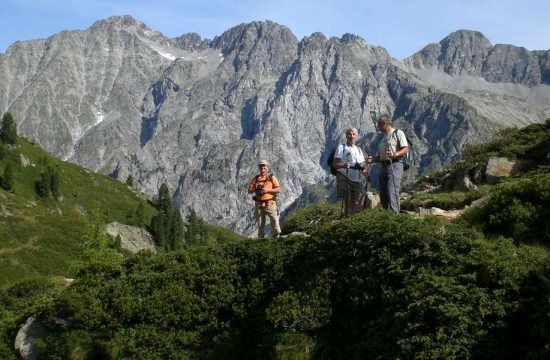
168	229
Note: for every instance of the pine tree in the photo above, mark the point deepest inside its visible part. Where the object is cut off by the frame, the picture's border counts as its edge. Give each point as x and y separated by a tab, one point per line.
161	224
54	182
130	181
178	233
43	184
197	231
8	131
158	229
192	230
48	183
8	179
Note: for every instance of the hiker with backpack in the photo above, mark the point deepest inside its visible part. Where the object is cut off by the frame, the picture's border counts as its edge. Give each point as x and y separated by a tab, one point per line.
265	188
349	163
391	152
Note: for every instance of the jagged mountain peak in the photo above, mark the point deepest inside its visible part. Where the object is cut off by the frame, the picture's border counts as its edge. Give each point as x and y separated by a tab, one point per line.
120	21
467	52
126	23
254	31
190	42
465	38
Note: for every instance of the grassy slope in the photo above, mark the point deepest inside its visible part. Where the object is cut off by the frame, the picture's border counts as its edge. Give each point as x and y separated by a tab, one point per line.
43	236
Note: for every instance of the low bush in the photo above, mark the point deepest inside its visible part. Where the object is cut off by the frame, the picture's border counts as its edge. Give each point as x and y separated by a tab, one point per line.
517	209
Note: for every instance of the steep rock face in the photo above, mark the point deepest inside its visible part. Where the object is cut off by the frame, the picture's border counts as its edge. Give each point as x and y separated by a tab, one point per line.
197	115
507	63
544	63
470	53
73	82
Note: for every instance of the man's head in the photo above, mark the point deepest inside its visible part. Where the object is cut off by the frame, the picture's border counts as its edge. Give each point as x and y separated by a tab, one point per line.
384	123
351	135
263	165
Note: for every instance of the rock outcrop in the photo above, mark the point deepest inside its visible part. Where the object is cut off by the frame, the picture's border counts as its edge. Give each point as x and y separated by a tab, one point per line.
25	341
132	238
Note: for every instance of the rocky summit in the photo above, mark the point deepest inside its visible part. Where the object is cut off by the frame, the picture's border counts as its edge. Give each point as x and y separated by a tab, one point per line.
197	114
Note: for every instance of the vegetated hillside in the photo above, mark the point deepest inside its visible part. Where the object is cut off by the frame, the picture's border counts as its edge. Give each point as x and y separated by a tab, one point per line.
43	235
517	206
375	285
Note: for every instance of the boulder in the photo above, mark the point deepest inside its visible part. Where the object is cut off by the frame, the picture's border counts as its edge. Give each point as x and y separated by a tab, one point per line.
459	182
133	238
25	340
434	211
372	200
499	168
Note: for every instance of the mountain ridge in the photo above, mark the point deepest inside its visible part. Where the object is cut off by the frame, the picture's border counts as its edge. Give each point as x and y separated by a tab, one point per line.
121	99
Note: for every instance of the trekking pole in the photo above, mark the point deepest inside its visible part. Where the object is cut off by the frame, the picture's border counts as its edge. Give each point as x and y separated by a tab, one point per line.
347	184
366	190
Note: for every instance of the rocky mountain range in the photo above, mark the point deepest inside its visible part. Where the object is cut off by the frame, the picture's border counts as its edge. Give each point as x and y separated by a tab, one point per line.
197	114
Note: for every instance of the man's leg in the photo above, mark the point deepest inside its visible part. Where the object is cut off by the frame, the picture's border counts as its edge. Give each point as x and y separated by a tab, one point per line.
384	198
260	219
394	186
271	211
354	199
341	191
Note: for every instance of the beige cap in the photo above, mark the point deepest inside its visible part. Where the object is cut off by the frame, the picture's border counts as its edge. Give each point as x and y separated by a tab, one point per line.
263	162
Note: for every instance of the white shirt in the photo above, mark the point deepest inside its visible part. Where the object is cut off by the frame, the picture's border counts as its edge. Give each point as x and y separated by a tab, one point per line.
353	155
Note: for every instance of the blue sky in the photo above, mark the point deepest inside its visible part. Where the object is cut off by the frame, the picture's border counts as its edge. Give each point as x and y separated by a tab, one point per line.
402	27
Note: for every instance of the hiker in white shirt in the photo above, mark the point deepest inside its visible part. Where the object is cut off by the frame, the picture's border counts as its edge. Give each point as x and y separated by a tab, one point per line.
350	162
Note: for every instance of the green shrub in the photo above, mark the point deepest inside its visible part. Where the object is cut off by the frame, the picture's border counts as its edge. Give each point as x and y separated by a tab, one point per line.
312	218
376	285
517	209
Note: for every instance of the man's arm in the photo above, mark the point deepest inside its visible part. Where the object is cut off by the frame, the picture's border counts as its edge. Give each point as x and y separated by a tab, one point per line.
252	186
402	141
276	188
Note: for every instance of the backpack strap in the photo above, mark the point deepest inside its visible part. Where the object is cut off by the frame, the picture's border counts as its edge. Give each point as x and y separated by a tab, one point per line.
397	138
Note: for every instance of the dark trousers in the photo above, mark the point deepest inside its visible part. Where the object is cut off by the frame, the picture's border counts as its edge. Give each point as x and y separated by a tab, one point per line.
391	175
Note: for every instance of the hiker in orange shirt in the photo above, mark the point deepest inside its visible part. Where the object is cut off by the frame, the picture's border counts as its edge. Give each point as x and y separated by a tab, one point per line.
265	188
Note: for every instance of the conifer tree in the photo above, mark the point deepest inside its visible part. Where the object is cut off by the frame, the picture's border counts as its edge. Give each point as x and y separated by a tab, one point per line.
54	182
8	130
158	229
196	229
177	230
130	181
8	179
161	224
43	184
48	183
